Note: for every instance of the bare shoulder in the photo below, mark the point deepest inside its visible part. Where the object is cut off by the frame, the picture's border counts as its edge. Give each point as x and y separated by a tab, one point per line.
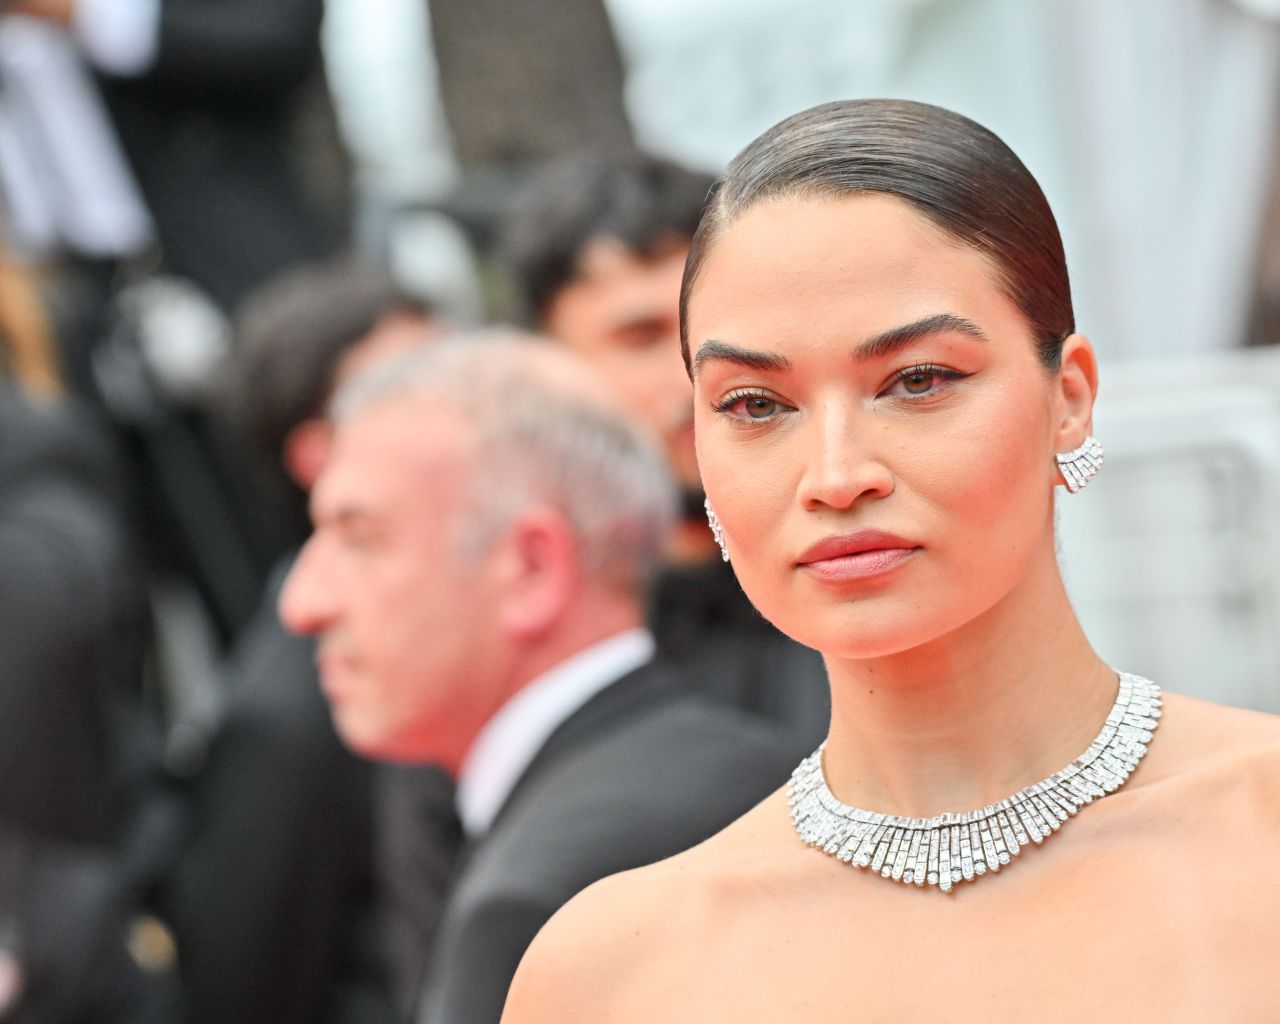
1207	730
627	932
1218	749
570	969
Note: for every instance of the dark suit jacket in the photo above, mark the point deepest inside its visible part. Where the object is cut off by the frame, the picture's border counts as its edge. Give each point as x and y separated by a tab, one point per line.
64	911
71	622
728	652
642	771
213	134
276	868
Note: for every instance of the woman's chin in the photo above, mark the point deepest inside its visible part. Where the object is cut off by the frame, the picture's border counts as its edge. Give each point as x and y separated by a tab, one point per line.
863	637
859	645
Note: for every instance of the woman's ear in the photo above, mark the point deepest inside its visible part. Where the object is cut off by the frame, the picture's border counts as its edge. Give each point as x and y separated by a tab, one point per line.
1077	391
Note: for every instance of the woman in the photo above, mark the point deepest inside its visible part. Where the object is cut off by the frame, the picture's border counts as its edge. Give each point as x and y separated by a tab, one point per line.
879	332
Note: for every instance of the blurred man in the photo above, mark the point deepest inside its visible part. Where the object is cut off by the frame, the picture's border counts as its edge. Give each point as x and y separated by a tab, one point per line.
485	528
298	340
278	865
596	249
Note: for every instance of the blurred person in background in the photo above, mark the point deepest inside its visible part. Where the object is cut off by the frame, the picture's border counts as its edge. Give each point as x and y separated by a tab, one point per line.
486	527
162	159
273	895
209	100
297	340
596	248
72	743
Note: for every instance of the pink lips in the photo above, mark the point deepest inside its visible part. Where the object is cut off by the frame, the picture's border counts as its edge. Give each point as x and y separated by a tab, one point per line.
856	556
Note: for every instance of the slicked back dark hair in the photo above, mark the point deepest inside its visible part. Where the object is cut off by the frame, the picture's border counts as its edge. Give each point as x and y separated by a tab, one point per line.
958	174
639	200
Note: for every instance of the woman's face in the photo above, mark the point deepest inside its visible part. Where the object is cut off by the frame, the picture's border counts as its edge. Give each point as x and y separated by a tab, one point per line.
874	428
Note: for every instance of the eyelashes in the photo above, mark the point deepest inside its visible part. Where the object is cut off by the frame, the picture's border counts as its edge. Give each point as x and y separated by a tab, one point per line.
910	384
747	396
925	373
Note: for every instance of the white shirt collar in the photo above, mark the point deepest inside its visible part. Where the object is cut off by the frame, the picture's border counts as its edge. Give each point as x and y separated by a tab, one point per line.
512	738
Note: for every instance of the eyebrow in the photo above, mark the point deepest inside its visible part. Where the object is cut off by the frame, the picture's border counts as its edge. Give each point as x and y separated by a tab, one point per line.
875	347
765	361
889	341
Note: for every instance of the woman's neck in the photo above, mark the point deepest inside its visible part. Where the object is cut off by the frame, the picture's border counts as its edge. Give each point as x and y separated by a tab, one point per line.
970	718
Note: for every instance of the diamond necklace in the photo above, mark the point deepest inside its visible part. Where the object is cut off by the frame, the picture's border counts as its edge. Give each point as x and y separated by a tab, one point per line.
950	848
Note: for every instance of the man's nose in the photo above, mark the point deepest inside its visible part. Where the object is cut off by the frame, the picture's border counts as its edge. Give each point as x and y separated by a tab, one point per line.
306	600
844	463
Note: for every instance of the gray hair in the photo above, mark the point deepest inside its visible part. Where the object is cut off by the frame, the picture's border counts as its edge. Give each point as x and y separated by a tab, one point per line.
546	434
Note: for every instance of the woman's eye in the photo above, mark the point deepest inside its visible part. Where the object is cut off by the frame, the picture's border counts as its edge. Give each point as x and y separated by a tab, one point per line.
759	408
750	407
918	381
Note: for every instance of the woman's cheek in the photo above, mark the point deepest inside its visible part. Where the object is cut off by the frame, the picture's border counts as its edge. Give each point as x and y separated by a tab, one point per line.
754	493
998	502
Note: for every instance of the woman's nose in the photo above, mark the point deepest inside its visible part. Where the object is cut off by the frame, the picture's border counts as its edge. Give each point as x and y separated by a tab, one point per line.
843	463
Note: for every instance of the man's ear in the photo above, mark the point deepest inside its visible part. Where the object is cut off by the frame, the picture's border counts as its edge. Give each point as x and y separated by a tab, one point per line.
1077	391
306	450
539	571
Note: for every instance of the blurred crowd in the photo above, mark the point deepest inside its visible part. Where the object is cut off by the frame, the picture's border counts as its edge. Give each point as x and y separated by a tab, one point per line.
193	264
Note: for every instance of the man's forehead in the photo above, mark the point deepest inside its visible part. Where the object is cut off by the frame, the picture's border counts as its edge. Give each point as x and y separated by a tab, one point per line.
389	449
346	490
408	425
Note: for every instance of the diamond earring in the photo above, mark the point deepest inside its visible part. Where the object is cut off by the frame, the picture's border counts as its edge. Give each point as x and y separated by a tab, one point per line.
1080	466
717	531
